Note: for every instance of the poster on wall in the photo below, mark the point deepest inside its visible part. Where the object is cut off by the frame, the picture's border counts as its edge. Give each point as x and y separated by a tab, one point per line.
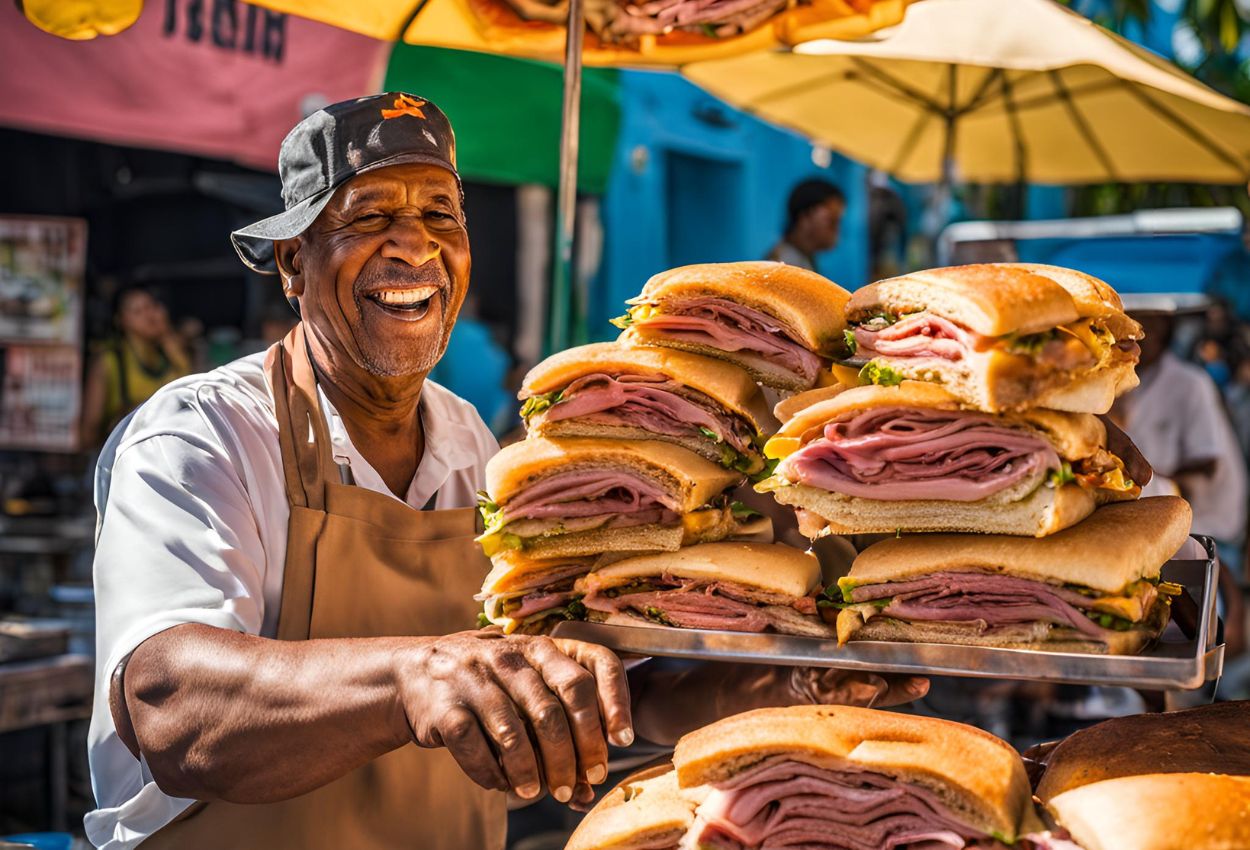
42	261
39	397
42	264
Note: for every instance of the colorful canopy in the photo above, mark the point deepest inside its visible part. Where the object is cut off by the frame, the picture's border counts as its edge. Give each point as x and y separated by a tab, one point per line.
991	91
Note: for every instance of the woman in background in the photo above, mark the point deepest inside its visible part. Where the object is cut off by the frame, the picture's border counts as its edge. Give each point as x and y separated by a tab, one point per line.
146	354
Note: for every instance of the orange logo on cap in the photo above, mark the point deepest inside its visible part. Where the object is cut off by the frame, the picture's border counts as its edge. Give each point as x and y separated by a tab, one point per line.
405	105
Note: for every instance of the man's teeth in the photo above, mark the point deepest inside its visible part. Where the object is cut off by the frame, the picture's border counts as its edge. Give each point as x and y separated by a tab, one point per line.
404	297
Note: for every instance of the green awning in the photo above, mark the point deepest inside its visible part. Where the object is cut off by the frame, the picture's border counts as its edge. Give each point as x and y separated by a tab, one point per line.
506	113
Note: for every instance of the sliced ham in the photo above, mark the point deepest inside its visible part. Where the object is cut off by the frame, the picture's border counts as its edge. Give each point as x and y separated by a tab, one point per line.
571	525
730	326
587	493
995	600
922	335
535	602
784	803
658	405
718	606
896	453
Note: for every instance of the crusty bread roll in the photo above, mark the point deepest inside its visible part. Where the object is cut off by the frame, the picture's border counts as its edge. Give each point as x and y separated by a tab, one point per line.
1044	510
1172	811
998	300
1208	739
810	307
992	299
1119	544
770	567
980	777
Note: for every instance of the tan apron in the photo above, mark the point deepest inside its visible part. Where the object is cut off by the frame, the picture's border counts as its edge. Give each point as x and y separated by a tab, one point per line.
359	564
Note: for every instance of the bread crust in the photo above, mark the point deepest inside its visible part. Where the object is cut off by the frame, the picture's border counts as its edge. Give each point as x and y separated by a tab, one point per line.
1211	738
1093	297
851	626
1074	435
772	567
644	810
810	305
573	428
695	480
1044	512
1175	811
978	775
1118	544
724	383
639	538
991	299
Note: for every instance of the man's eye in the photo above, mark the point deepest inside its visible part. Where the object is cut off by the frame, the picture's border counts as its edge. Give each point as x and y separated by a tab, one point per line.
369	218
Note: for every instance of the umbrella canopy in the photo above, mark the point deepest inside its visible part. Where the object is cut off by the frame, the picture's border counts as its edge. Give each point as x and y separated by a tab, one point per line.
993	91
496	26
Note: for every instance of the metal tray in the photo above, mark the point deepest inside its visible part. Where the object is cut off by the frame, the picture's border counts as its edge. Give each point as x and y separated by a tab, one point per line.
1176	662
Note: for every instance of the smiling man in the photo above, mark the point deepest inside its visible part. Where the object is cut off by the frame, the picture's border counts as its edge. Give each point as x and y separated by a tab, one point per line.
285	566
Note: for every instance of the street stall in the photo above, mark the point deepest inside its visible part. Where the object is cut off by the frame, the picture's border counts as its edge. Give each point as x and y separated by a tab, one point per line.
770	510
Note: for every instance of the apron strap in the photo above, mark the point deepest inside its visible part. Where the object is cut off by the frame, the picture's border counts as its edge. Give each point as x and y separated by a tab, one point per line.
302	432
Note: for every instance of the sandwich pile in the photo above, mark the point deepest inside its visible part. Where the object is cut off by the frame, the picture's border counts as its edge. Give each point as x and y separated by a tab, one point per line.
975	409
614	506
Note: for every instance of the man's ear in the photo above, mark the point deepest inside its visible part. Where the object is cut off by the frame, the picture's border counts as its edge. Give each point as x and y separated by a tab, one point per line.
286	253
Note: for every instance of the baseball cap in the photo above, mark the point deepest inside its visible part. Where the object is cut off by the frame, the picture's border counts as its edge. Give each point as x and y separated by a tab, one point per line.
336	143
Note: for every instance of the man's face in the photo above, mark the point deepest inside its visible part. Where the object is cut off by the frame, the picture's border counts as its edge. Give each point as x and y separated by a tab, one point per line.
825	223
383	270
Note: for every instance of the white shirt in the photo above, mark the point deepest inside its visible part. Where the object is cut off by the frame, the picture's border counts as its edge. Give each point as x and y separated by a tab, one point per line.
192	529
1176	418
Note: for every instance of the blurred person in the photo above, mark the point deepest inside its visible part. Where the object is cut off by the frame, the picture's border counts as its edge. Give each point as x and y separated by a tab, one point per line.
1238	397
145	355
813	222
1211	355
1177	418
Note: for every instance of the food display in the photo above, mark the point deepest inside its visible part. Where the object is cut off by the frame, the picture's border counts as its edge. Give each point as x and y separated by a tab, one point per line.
1000	336
912	458
780	323
968	431
845	778
1069	592
610	390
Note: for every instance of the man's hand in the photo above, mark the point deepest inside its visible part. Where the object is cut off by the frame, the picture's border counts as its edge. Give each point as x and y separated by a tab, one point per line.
671	703
517	711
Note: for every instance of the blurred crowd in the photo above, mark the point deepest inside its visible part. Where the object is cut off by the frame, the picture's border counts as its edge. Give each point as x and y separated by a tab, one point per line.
1220	344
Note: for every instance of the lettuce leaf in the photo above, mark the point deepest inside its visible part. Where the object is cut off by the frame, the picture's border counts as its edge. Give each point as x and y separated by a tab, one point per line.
876	372
538	403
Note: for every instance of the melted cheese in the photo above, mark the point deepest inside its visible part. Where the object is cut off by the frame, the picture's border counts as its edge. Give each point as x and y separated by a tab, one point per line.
781	447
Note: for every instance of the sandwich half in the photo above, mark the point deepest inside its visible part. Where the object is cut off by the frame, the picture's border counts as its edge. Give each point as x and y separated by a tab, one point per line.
583	496
780	323
530	595
1174	811
646	811
1208	739
852	779
740	587
912	457
1091	588
1000	336
645	393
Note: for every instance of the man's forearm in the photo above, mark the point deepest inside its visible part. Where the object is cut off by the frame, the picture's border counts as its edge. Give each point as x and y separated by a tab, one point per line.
222	715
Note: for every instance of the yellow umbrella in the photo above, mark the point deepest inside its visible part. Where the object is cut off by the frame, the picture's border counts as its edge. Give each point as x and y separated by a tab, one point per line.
537	29
995	91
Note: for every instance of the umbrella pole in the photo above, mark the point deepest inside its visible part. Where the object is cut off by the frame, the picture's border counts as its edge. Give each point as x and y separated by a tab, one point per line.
560	311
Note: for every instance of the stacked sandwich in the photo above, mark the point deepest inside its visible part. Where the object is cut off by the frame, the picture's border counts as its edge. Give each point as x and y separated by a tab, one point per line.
609	508
976	411
838	778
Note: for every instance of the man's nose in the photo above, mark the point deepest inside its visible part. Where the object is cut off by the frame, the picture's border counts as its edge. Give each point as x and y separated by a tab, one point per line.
410	242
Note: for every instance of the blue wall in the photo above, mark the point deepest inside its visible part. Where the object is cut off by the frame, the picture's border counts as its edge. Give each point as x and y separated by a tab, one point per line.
697	181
